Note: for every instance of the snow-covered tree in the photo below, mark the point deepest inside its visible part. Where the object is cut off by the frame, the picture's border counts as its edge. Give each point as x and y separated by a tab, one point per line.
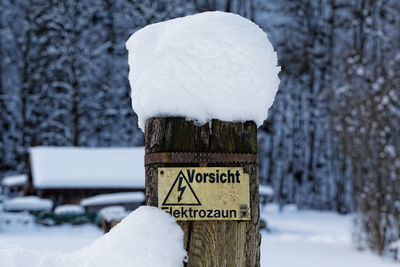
303	164
14	47
331	136
64	73
370	118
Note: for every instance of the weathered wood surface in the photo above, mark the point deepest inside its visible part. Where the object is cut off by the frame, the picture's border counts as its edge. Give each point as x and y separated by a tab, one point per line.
108	225
210	243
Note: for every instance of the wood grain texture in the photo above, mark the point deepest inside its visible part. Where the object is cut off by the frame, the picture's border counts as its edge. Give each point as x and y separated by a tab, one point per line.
209	243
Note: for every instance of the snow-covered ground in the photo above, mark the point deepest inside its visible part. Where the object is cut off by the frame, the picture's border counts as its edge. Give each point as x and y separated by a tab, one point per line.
66	238
146	237
297	238
312	239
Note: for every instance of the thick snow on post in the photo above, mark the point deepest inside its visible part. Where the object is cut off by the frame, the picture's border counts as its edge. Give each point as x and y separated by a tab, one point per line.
146	237
212	65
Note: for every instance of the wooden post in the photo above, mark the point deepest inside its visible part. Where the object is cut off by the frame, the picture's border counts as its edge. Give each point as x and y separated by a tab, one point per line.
209	243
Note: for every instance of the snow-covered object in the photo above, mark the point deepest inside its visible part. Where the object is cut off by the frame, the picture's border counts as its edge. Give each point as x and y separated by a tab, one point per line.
29	203
395	245
69	209
14	180
204	66
3	197
266	190
113	213
114	198
394	249
147	237
15	220
78	167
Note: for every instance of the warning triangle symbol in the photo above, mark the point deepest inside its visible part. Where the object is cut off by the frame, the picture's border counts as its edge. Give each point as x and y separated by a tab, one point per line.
181	193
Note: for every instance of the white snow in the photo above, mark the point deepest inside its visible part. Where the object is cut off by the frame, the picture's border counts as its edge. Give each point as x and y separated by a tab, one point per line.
395	245
394	248
298	238
265	190
3	197
14	180
114	198
29	203
20	231
69	209
147	237
390	150
78	167
312	239
14	219
204	66
113	213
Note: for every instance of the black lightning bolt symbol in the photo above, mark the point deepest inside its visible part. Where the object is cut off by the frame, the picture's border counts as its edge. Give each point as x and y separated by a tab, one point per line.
181	189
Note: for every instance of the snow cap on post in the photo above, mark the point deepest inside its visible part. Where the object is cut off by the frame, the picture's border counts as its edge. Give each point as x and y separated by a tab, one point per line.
212	65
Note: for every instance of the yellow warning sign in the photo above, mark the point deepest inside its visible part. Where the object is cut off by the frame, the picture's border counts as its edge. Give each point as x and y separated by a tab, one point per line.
202	193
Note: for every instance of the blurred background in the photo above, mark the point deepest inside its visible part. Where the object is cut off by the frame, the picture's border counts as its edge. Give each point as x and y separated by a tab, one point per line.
332	138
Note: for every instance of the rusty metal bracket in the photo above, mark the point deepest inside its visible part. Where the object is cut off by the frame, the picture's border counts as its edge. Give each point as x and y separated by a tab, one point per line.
201	158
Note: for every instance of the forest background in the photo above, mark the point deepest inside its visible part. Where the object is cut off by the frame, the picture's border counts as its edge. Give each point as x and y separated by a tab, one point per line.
332	138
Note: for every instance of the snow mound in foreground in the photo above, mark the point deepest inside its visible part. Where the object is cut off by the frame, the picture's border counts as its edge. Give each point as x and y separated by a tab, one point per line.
211	65
146	237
